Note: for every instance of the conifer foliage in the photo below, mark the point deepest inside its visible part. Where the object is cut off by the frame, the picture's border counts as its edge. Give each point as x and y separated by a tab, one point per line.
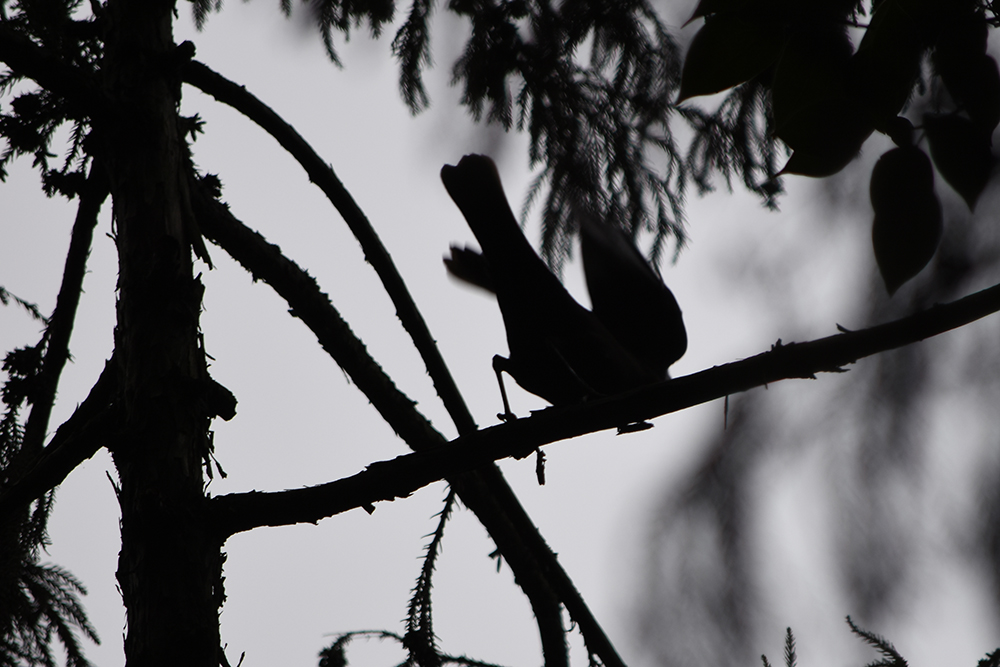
827	97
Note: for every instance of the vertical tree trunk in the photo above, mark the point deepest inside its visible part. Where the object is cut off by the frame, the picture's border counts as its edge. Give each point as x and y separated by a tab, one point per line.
170	567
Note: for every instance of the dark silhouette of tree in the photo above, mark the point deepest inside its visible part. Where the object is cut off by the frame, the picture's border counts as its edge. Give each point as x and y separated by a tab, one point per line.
597	86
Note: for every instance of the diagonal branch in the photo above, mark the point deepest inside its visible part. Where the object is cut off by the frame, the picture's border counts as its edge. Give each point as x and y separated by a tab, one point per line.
57	333
75	441
322	174
300	290
484	491
387	480
80	437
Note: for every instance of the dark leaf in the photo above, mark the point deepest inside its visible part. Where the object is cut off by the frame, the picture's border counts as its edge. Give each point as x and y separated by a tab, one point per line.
970	75
835	128
887	62
907	225
727	51
961	153
820	164
982	96
965	34
812	70
900	130
815	112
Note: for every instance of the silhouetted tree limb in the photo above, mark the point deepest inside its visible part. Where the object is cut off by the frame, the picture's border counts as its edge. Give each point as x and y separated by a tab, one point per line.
300	290
75	441
485	492
398	478
47	468
60	327
322	174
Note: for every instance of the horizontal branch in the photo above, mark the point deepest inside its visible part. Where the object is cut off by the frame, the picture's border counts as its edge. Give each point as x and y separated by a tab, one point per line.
399	477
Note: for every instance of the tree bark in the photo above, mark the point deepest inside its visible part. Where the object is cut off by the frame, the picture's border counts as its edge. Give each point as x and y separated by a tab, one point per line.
169	567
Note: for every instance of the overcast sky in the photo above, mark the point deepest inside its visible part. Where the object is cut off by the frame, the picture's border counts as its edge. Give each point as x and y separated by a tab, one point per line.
301	422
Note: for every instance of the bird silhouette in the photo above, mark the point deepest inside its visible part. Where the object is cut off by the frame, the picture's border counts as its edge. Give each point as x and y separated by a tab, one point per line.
558	349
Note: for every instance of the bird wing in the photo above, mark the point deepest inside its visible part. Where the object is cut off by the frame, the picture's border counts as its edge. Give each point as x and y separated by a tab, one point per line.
629	296
558	349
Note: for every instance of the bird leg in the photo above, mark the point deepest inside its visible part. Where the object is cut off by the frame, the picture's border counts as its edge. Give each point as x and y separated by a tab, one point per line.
499	366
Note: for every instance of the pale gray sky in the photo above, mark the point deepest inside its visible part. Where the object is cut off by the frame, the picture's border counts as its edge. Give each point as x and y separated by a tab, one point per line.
301	422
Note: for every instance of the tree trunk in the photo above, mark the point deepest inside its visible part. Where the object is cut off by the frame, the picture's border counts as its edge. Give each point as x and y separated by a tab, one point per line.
169	568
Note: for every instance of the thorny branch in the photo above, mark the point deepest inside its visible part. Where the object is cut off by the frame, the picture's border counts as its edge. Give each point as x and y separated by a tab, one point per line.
387	480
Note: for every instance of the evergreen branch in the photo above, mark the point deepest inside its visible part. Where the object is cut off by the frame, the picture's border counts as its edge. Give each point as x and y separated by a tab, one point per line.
420	640
60	326
484	491
991	660
21	55
790	657
46	601
881	644
33	310
594	128
411	46
400	477
736	140
322	174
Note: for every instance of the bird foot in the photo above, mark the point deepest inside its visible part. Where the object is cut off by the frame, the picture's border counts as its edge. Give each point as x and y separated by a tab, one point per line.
506	416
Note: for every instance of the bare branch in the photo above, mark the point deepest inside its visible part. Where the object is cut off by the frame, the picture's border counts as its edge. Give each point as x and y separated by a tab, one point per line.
322	174
75	441
484	491
300	290
60	326
398	478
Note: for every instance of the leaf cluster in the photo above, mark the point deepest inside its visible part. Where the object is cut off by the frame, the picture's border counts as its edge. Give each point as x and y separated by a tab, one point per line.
591	83
33	310
826	98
